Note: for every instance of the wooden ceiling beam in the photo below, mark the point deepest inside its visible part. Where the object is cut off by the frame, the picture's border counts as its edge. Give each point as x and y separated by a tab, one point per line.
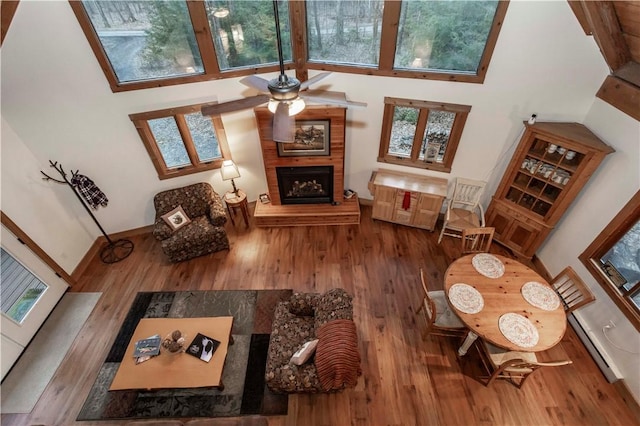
603	21
621	95
7	10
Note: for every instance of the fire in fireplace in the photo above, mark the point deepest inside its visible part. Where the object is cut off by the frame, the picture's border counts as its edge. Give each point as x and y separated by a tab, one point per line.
305	185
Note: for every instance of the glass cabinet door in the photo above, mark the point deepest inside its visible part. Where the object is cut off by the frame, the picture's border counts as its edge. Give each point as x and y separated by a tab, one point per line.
546	171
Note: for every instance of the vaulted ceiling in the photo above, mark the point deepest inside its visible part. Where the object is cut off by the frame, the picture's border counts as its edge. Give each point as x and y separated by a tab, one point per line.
615	25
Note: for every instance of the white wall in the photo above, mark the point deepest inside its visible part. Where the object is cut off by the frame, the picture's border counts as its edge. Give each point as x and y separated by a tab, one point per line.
609	189
56	104
49	212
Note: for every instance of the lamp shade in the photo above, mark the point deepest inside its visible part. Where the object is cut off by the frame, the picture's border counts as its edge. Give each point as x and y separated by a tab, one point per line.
229	170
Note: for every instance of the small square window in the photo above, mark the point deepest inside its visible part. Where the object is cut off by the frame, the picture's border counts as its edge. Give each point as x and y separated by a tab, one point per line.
421	134
181	140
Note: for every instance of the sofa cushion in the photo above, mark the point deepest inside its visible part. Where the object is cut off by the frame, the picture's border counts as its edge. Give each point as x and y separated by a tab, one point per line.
333	305
303	304
198	237
288	332
337	358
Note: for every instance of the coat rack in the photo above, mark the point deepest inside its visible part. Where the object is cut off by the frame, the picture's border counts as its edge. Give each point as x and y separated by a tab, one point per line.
114	251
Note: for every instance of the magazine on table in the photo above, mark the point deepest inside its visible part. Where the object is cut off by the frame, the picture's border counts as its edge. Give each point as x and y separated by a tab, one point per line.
203	347
147	347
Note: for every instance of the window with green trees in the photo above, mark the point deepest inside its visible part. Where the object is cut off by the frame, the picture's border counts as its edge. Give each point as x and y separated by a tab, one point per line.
151	43
443	35
346	32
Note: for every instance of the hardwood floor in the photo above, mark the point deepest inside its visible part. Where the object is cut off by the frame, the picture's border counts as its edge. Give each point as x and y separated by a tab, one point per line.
405	381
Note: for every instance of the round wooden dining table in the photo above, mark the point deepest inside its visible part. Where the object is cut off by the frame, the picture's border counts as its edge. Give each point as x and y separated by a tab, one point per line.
502	295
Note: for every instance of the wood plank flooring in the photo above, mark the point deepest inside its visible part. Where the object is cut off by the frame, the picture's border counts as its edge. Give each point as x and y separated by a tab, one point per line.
406	380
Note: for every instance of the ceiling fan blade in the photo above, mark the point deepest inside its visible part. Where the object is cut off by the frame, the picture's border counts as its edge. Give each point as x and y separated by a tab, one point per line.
283	124
314	79
256	82
237	105
328	97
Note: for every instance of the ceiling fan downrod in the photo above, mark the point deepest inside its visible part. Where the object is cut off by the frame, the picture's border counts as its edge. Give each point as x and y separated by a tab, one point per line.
283	88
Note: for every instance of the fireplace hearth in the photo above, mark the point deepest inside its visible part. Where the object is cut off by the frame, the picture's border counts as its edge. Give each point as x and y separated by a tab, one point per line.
305	185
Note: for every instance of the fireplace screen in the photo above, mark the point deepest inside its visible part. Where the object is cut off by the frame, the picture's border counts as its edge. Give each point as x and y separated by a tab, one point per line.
305	185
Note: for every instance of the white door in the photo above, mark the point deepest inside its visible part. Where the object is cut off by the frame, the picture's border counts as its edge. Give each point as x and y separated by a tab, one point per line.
29	292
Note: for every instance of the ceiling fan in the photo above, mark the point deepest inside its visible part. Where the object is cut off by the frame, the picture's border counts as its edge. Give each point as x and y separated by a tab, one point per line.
285	95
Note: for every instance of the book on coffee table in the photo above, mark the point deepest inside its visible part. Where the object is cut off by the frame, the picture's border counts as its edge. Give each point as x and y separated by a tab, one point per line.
147	347
203	347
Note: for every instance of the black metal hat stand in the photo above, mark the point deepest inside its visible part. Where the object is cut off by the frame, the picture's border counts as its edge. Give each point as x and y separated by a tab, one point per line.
114	251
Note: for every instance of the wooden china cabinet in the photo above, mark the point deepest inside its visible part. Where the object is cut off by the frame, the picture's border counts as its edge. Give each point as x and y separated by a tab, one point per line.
552	163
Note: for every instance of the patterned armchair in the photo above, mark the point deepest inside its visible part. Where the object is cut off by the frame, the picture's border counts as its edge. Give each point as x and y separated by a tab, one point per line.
327	317
203	234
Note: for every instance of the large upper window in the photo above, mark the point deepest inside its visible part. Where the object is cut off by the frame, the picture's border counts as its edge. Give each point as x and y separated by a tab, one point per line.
181	140
443	35
421	134
344	32
613	258
150	43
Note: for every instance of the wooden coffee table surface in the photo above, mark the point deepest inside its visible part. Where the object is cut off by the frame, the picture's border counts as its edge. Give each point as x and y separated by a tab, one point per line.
168	370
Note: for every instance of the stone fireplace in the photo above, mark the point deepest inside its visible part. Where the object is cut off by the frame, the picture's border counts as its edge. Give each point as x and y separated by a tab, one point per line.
305	185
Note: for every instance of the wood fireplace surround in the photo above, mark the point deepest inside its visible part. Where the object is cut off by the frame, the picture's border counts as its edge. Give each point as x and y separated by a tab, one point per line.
277	213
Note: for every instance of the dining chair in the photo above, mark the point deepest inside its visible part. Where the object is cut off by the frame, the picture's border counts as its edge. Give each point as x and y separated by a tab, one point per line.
477	240
441	320
573	292
463	208
515	367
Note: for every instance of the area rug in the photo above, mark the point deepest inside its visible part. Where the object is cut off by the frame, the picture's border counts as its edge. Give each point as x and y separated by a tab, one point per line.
33	371
245	392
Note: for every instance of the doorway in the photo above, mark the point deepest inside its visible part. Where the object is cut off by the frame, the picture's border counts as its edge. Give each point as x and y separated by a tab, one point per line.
30	290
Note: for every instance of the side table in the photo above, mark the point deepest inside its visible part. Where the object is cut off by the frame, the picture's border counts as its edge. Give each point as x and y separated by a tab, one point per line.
238	201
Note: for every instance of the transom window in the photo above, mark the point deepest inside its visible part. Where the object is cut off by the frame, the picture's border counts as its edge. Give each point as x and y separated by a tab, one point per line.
141	44
421	134
613	258
181	140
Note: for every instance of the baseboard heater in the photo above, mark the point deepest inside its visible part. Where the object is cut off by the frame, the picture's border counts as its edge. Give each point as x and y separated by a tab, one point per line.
598	355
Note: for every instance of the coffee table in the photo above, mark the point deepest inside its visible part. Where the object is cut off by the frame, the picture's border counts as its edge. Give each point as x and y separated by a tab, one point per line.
181	370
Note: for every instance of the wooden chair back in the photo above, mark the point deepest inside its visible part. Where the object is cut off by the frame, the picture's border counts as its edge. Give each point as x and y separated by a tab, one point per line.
439	323
477	240
428	305
467	193
517	371
463	208
515	367
573	292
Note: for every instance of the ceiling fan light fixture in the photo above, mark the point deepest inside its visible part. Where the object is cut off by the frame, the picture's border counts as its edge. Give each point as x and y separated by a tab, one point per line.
295	105
221	12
